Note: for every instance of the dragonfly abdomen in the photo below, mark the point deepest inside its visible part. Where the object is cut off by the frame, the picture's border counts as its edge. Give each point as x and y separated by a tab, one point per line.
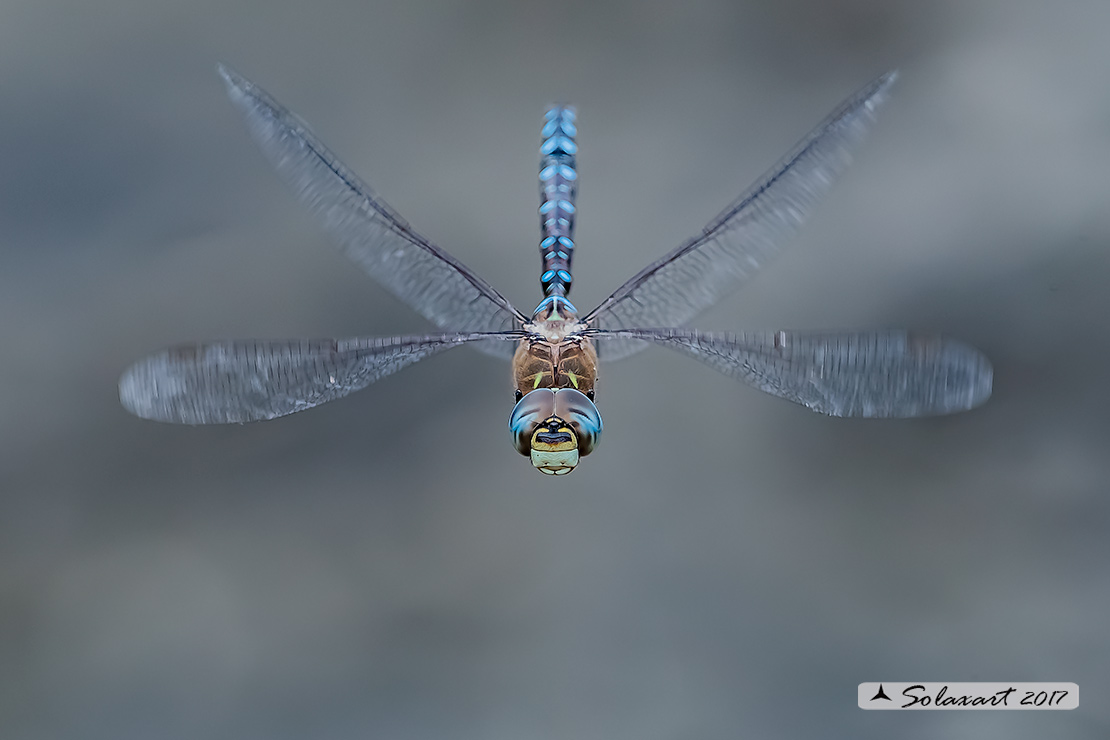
558	188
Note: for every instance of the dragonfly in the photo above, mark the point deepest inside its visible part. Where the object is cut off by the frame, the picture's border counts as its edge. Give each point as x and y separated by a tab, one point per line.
555	350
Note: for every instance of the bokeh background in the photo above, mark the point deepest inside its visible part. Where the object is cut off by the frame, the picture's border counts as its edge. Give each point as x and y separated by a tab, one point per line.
727	564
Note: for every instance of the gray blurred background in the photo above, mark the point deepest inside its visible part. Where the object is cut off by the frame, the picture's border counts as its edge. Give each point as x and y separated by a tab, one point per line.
727	564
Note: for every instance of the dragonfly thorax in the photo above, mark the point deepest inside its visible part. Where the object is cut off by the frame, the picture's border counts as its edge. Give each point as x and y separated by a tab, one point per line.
567	363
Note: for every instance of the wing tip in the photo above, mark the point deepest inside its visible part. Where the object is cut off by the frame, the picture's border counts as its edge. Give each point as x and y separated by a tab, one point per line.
874	93
973	375
242	91
146	390
132	396
881	85
231	78
983	384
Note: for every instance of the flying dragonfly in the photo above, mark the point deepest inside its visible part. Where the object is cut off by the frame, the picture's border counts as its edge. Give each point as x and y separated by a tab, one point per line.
555	350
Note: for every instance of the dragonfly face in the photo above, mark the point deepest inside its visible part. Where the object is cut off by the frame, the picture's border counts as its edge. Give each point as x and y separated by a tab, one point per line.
554	428
876	374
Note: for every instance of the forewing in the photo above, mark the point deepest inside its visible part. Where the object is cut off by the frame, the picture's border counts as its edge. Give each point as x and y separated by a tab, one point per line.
239	381
732	247
370	232
882	374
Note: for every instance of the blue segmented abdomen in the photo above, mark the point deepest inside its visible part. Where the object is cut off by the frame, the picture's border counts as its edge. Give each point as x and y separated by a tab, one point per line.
558	187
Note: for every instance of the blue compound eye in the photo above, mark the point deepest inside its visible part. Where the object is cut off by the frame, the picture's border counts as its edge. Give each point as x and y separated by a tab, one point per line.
527	415
581	415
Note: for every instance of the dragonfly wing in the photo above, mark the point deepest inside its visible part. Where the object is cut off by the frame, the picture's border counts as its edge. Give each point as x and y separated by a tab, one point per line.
239	381
882	374
732	247
371	233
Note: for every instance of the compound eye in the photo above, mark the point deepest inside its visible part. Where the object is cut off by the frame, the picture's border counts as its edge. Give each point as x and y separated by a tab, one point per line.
581	415
527	415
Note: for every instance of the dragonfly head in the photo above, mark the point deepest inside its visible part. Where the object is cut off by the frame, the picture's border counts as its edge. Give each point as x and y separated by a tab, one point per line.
555	427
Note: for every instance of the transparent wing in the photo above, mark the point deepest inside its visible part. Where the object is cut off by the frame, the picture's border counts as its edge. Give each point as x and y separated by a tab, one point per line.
239	381
370	232
732	247
882	374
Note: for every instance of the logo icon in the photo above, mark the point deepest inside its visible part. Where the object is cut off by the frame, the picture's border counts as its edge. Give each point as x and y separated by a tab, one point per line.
881	694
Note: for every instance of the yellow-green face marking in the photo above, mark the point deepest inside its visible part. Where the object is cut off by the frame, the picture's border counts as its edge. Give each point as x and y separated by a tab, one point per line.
554	447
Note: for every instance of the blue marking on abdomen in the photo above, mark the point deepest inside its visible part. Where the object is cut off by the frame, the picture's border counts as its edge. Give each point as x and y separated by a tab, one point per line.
558	188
